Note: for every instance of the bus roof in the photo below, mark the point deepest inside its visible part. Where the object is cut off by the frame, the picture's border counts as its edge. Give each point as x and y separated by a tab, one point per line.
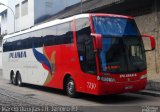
59	21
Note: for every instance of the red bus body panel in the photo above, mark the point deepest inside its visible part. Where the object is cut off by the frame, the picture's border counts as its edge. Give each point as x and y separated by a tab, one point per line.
67	62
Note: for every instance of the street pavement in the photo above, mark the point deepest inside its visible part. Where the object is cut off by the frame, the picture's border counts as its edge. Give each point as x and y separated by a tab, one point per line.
35	96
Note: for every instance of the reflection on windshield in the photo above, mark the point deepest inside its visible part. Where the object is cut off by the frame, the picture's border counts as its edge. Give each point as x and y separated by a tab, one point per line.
122	47
115	26
121	55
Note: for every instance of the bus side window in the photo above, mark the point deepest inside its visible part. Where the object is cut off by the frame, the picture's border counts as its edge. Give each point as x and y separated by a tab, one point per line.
49	35
36	39
70	33
64	33
85	46
59	34
8	45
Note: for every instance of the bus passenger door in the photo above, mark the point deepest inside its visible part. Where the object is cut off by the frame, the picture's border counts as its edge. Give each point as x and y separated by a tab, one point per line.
86	55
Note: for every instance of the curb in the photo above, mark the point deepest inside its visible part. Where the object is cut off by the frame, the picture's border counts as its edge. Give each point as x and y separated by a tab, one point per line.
152	89
153	85
149	92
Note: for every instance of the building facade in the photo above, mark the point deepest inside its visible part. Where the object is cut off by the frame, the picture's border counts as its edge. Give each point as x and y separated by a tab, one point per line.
3	31
27	13
3	22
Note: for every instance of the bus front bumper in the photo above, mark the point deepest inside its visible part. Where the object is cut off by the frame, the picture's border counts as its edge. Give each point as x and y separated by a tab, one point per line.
107	88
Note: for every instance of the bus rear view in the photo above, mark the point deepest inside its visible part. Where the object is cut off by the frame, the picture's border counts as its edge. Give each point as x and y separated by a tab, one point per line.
121	54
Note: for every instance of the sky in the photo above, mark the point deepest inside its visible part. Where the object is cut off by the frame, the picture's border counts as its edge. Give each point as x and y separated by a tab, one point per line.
2	7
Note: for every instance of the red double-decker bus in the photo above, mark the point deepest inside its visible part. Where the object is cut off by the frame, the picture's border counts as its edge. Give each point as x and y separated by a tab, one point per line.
97	54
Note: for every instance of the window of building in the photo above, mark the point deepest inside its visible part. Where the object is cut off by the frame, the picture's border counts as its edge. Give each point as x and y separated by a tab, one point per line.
24	7
4	16
17	11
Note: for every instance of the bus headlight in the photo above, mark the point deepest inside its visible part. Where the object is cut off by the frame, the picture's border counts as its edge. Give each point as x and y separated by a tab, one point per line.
143	76
106	79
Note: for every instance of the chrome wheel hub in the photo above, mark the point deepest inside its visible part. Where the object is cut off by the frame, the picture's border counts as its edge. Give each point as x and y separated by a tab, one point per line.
70	87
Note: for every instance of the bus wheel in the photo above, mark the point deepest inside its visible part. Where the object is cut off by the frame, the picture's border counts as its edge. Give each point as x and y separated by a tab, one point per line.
13	79
70	88
19	79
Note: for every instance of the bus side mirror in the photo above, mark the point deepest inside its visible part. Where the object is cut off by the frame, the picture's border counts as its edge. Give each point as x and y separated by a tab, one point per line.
152	42
97	40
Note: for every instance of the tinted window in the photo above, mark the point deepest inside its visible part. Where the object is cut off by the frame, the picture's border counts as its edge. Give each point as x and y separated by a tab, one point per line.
114	26
60	34
85	46
8	45
35	39
50	35
55	35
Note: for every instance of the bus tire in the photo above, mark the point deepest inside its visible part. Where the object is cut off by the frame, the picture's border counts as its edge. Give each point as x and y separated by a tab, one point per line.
19	79
70	88
13	79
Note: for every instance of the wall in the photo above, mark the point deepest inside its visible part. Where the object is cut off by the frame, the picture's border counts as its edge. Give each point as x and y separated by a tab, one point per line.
22	22
149	24
38	10
0	54
0	57
3	32
4	24
10	22
28	20
71	2
46	8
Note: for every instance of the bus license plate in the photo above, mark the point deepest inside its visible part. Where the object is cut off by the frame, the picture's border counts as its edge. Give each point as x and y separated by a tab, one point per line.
128	87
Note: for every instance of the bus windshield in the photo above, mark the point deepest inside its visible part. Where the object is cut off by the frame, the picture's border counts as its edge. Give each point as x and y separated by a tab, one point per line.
122	46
